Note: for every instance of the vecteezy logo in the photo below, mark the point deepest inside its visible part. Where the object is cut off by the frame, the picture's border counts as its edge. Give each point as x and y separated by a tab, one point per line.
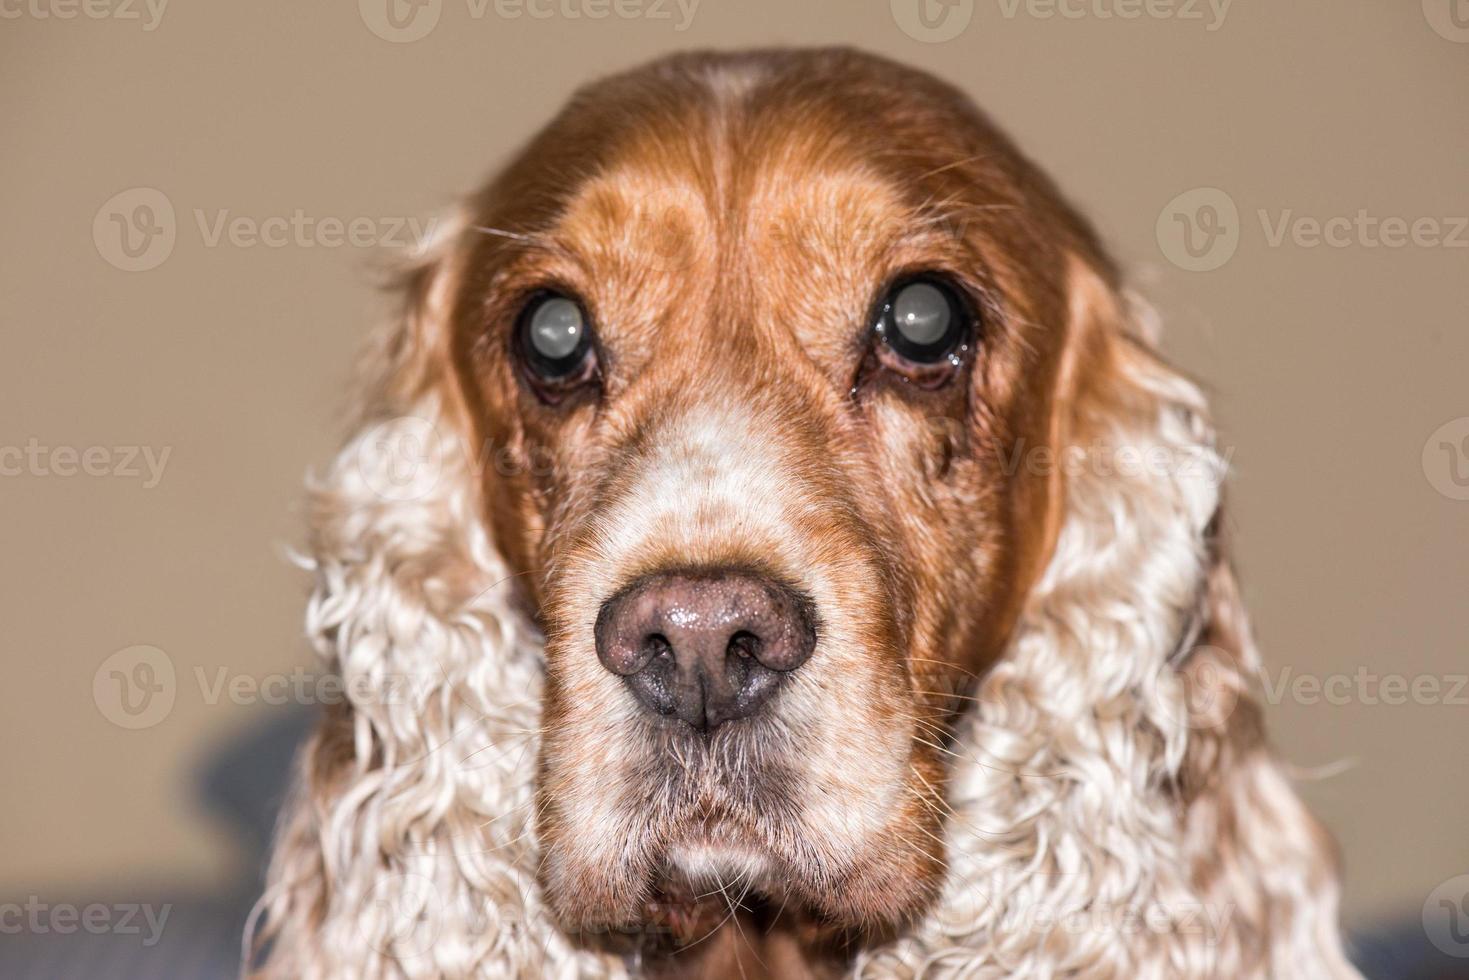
135	230
1446	917
1446	459
932	21
1448	18
406	911
400	21
1206	691
1199	229
134	688
399	459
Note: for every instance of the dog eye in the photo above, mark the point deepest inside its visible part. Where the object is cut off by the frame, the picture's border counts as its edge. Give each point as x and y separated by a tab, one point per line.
922	321
555	340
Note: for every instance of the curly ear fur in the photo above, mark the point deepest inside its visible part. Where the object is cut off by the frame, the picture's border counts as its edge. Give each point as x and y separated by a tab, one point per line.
1115	812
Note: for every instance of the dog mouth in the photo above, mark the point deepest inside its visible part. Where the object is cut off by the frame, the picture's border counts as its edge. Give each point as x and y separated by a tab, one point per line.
681	914
703	889
718	863
752	845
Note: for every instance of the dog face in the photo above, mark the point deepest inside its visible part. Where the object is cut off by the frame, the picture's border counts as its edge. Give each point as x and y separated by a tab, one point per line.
800	401
755	350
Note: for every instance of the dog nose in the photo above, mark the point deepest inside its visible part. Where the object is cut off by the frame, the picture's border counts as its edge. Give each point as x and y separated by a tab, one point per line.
707	647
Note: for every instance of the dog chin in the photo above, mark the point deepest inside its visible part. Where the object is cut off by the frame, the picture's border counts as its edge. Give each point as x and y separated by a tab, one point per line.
705	866
703	883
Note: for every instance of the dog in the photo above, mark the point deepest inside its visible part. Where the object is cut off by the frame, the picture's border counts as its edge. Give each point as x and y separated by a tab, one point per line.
771	546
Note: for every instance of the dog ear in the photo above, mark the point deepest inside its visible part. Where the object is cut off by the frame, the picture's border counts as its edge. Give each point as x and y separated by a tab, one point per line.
407	847
1249	848
1121	712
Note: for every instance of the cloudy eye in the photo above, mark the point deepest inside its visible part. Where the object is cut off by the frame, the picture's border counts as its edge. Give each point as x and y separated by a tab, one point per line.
923	321
555	341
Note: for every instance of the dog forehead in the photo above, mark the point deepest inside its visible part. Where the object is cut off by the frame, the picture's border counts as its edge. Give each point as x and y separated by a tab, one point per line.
701	183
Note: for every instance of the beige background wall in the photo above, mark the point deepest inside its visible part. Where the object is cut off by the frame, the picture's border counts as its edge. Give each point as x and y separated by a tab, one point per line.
1332	366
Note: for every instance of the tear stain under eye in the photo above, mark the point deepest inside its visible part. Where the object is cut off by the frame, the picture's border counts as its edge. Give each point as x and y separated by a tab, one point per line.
942	465
940	461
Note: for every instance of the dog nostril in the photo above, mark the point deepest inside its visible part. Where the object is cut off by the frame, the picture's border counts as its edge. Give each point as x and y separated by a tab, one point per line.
709	647
744	645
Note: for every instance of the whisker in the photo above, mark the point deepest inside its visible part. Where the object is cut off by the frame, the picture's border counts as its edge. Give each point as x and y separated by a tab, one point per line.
503	233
